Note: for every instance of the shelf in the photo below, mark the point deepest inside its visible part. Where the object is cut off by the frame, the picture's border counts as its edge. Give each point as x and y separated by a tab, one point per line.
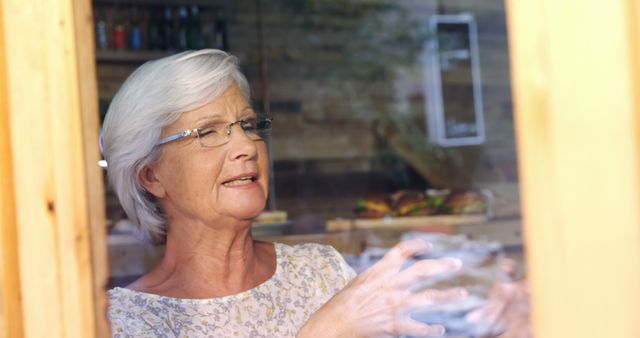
207	3
407	222
123	56
271	229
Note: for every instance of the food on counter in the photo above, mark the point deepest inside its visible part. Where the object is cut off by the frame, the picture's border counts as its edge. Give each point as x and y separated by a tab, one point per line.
413	203
418	203
466	202
374	205
268	216
438	198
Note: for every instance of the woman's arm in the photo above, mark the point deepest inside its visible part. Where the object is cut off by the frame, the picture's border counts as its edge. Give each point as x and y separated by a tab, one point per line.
377	303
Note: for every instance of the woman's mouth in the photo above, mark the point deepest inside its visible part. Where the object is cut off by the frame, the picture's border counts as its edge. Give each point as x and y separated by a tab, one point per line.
240	181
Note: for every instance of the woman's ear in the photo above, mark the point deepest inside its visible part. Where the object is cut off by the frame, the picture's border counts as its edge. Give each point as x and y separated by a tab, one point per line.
150	182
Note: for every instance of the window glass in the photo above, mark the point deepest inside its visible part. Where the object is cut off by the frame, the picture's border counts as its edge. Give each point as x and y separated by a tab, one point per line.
390	117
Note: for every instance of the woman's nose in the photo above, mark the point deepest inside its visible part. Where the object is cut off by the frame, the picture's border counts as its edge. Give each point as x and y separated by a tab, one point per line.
241	143
236	131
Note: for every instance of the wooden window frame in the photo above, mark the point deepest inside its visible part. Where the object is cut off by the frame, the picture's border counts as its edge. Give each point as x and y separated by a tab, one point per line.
53	233
576	84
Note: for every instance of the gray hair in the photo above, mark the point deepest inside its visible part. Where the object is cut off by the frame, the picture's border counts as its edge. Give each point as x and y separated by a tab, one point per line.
152	97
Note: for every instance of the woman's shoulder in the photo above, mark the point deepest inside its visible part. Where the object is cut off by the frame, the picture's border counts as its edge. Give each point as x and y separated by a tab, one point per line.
130	315
309	252
308	248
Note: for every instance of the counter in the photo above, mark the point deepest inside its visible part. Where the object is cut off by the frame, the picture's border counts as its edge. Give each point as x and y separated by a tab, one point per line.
129	258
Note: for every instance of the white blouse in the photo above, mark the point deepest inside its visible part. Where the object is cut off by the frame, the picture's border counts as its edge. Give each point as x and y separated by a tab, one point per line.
306	277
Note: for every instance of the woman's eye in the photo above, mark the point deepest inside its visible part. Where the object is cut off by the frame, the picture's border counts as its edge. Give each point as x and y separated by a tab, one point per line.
248	124
207	131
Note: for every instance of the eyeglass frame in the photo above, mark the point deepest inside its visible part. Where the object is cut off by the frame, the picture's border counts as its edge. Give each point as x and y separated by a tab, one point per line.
196	133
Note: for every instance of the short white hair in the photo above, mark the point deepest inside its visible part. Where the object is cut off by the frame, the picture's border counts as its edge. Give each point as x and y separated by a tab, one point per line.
152	97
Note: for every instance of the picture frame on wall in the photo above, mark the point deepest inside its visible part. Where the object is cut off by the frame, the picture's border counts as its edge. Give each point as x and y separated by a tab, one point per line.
452	81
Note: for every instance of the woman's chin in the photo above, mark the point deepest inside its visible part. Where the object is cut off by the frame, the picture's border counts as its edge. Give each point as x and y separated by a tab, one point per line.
246	211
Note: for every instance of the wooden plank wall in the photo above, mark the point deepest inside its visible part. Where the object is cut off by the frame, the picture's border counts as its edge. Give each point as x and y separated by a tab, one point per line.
576	85
52	207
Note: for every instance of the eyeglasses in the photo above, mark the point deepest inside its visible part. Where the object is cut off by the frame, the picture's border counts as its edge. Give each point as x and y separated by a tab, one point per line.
215	134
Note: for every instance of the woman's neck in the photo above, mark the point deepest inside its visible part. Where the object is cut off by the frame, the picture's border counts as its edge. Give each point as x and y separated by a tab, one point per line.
206	262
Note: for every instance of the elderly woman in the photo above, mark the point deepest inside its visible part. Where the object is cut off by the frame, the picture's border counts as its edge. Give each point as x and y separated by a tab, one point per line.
187	158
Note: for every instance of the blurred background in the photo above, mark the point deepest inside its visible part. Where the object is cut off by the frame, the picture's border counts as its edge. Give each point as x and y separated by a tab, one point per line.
391	117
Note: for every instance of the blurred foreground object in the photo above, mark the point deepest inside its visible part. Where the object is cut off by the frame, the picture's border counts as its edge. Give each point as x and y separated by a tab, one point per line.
507	312
496	305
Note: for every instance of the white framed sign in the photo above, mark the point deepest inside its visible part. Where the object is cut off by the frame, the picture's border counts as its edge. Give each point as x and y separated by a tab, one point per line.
452	83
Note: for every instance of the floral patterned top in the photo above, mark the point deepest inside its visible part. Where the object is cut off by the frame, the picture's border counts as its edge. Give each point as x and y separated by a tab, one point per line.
306	276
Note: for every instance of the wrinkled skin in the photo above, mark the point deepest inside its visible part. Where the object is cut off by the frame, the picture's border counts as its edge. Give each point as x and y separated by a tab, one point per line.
377	302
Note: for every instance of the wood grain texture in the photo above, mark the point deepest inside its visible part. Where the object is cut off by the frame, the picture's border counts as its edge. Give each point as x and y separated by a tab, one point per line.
575	84
90	115
10	289
50	86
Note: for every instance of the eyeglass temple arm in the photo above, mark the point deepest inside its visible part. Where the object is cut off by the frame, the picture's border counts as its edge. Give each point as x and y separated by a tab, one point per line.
171	138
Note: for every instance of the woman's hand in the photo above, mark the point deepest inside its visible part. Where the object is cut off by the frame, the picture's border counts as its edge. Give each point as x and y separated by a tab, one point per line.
506	313
377	302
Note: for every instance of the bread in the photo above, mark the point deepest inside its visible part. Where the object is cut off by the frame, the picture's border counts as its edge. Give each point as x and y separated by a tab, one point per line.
374	205
466	202
413	203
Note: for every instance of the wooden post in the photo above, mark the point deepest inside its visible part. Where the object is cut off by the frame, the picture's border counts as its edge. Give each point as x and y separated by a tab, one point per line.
576	84
52	209
10	288
90	116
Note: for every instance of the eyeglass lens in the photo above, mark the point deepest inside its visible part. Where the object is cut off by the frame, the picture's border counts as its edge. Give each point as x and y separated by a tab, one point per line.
219	133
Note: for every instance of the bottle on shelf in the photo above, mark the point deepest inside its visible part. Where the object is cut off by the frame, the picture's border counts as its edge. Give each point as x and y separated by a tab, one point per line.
208	33
119	36
120	28
194	30
221	38
136	40
183	26
151	26
102	30
168	29
155	30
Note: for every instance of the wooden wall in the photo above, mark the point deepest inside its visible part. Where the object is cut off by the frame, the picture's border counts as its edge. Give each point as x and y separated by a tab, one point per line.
52	232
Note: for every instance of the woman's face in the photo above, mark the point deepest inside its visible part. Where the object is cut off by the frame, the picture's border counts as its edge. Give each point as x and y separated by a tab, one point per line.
211	185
